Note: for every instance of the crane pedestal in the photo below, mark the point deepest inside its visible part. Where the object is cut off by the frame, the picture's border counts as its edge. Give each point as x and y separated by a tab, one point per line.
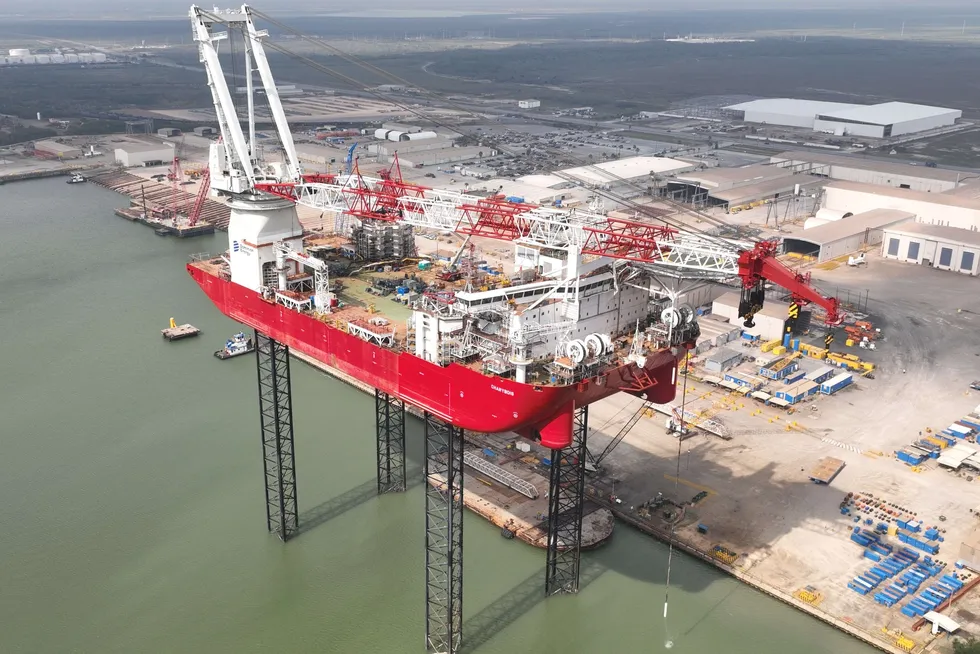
566	501
390	412
443	535
276	415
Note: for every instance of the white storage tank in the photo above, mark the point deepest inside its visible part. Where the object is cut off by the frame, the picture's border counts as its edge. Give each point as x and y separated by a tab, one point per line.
42	59
419	136
71	58
19	52
814	222
381	134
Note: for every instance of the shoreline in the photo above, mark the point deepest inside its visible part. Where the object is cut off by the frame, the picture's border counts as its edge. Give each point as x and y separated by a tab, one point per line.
534	535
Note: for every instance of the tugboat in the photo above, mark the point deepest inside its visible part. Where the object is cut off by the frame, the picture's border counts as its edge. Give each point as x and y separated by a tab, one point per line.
237	345
76	178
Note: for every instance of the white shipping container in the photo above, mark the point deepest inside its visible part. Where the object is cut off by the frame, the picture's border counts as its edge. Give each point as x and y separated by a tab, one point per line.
959	429
522	446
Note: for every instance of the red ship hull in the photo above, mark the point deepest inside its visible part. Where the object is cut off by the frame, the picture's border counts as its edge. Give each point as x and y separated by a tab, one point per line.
455	393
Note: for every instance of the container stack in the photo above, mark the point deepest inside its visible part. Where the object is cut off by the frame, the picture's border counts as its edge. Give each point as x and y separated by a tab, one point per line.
931	598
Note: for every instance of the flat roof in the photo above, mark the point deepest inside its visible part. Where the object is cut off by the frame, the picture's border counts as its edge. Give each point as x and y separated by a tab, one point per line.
791	106
54	145
134	148
767	188
629	168
862	162
544	181
964	202
752	174
938	232
856	224
530	193
888	113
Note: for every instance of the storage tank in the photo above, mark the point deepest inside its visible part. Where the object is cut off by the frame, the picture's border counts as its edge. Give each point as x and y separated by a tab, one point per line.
71	58
42	59
814	222
100	58
19	52
419	136
830	215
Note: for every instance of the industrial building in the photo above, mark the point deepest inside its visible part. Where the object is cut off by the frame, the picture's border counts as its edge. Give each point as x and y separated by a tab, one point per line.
947	209
205	131
445	155
144	155
869	171
533	194
24	57
622	174
946	248
56	150
844	236
168	132
734	187
882	120
770	321
389	148
528	104
401	127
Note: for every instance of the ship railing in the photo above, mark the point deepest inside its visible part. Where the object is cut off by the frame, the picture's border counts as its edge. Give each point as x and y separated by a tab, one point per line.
201	256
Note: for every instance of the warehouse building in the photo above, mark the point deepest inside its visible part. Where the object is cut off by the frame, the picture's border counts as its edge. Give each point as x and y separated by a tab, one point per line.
144	155
401	127
946	248
882	120
205	131
56	150
869	171
626	174
445	155
389	148
845	236
737	187
885	120
528	104
947	209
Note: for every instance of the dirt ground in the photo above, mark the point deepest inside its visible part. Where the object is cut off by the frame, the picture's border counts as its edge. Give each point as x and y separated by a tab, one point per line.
789	531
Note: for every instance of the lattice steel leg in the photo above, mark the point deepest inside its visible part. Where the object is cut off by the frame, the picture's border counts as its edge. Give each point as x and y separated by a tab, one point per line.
276	414
566	500
443	536
390	413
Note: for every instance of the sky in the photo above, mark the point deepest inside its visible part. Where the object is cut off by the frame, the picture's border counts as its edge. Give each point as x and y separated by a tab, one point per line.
178	7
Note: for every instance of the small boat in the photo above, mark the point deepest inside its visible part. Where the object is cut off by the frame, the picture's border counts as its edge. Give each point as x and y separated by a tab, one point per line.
77	178
237	345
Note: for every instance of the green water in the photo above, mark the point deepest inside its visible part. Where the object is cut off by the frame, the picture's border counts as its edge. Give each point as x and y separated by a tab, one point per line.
132	516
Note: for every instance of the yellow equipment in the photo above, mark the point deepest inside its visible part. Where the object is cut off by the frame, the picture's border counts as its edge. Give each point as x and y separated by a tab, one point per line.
173	324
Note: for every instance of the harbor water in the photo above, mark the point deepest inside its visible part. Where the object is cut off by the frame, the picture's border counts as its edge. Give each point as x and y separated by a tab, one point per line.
133	520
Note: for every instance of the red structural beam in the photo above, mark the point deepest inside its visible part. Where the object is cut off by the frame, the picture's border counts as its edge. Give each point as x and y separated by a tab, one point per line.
624	239
760	263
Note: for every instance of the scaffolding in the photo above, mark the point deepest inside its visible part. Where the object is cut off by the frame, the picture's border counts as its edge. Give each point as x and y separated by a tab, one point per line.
377	240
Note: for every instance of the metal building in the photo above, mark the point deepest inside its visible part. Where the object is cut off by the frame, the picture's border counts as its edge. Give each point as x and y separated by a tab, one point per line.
205	131
144	155
946	248
770	321
845	236
885	120
168	132
950	209
57	150
869	171
874	121
528	104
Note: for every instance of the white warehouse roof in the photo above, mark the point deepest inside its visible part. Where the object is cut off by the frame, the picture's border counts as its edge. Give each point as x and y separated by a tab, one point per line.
610	172
888	113
792	107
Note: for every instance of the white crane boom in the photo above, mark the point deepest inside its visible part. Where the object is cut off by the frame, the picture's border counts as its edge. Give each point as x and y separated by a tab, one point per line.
232	165
255	36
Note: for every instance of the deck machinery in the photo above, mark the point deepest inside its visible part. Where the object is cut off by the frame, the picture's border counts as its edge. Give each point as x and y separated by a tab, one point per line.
528	358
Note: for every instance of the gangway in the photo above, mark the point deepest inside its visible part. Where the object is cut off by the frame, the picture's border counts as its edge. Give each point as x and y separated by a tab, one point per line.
494	471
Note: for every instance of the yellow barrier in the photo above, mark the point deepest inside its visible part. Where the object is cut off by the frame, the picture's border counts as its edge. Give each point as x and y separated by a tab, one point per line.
905	643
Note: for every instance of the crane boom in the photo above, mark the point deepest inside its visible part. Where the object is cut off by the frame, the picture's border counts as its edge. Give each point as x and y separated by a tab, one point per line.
760	264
